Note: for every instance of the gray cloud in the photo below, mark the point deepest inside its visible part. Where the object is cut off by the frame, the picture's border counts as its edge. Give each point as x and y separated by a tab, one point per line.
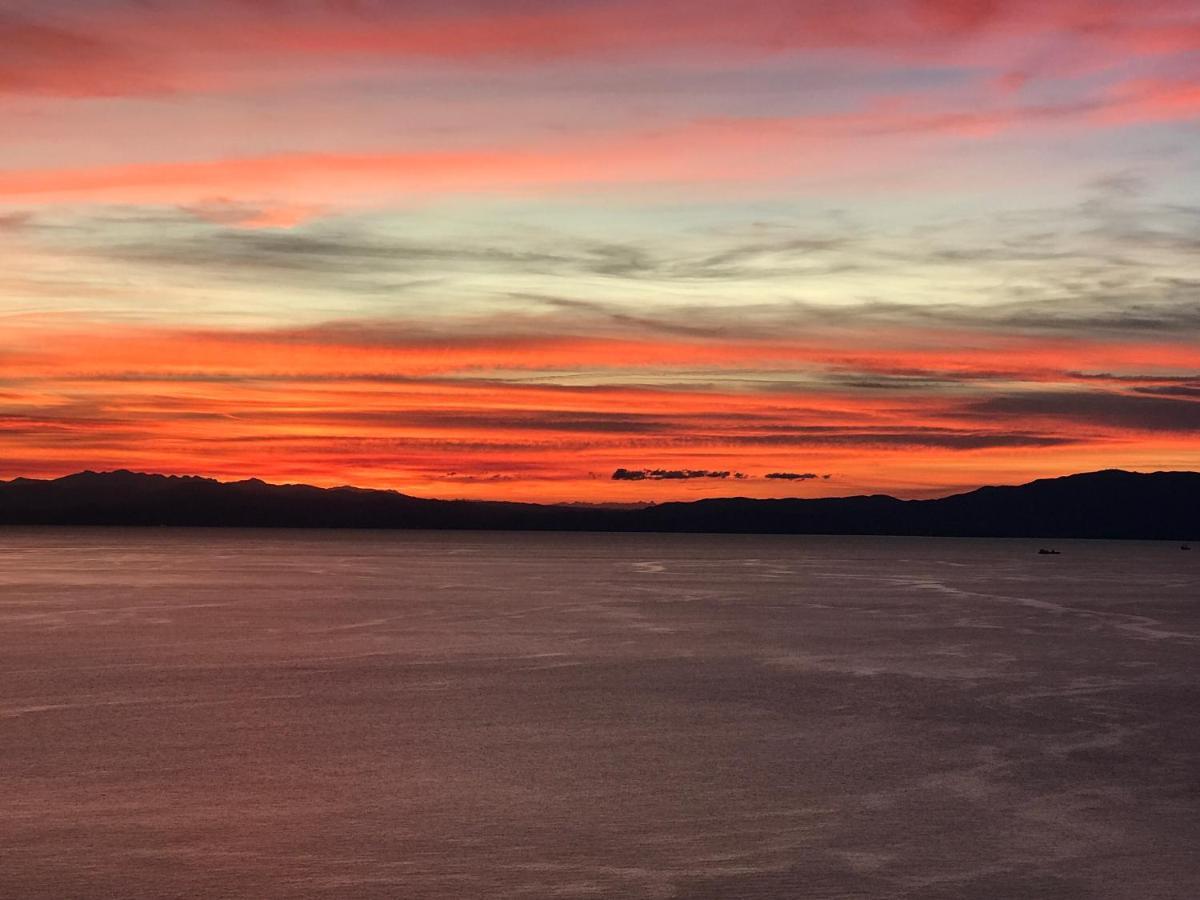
1113	266
322	250
670	474
591	422
614	315
1172	390
1135	378
15	221
1135	411
494	478
900	437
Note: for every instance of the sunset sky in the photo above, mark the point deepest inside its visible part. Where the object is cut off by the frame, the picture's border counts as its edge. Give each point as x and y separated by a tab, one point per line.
504	248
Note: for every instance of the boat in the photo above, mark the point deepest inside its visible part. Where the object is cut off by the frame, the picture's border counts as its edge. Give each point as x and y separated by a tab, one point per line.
1045	552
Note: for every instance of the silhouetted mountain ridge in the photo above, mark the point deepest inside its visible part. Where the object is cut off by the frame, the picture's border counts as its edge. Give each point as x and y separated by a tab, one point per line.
1109	504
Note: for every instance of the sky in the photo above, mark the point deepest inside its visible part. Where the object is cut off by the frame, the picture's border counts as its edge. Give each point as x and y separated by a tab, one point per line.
600	250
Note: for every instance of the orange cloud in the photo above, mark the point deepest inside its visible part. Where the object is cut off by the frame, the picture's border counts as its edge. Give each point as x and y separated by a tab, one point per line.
455	417
404	350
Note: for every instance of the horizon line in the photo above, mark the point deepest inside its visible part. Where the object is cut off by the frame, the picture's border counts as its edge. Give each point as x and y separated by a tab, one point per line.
300	484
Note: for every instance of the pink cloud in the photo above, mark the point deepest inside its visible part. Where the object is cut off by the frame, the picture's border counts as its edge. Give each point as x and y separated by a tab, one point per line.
48	59
716	150
1150	100
190	46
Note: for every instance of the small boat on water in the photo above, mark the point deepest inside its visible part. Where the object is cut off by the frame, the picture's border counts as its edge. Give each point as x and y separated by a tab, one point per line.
1045	552
1184	547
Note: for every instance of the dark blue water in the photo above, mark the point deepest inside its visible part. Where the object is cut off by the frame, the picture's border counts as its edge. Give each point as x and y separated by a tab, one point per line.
412	715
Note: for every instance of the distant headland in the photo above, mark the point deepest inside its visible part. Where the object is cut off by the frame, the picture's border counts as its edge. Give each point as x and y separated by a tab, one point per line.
1108	504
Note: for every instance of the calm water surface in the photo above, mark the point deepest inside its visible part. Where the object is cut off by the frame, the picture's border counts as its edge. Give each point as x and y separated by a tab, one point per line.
416	715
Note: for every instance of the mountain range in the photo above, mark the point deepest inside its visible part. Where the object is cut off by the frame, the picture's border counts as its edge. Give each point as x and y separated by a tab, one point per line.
1107	504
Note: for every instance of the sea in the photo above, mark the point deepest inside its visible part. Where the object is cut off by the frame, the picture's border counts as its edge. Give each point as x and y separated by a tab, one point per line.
348	714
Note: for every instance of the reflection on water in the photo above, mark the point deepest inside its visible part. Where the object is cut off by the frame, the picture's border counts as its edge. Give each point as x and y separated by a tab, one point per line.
313	714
